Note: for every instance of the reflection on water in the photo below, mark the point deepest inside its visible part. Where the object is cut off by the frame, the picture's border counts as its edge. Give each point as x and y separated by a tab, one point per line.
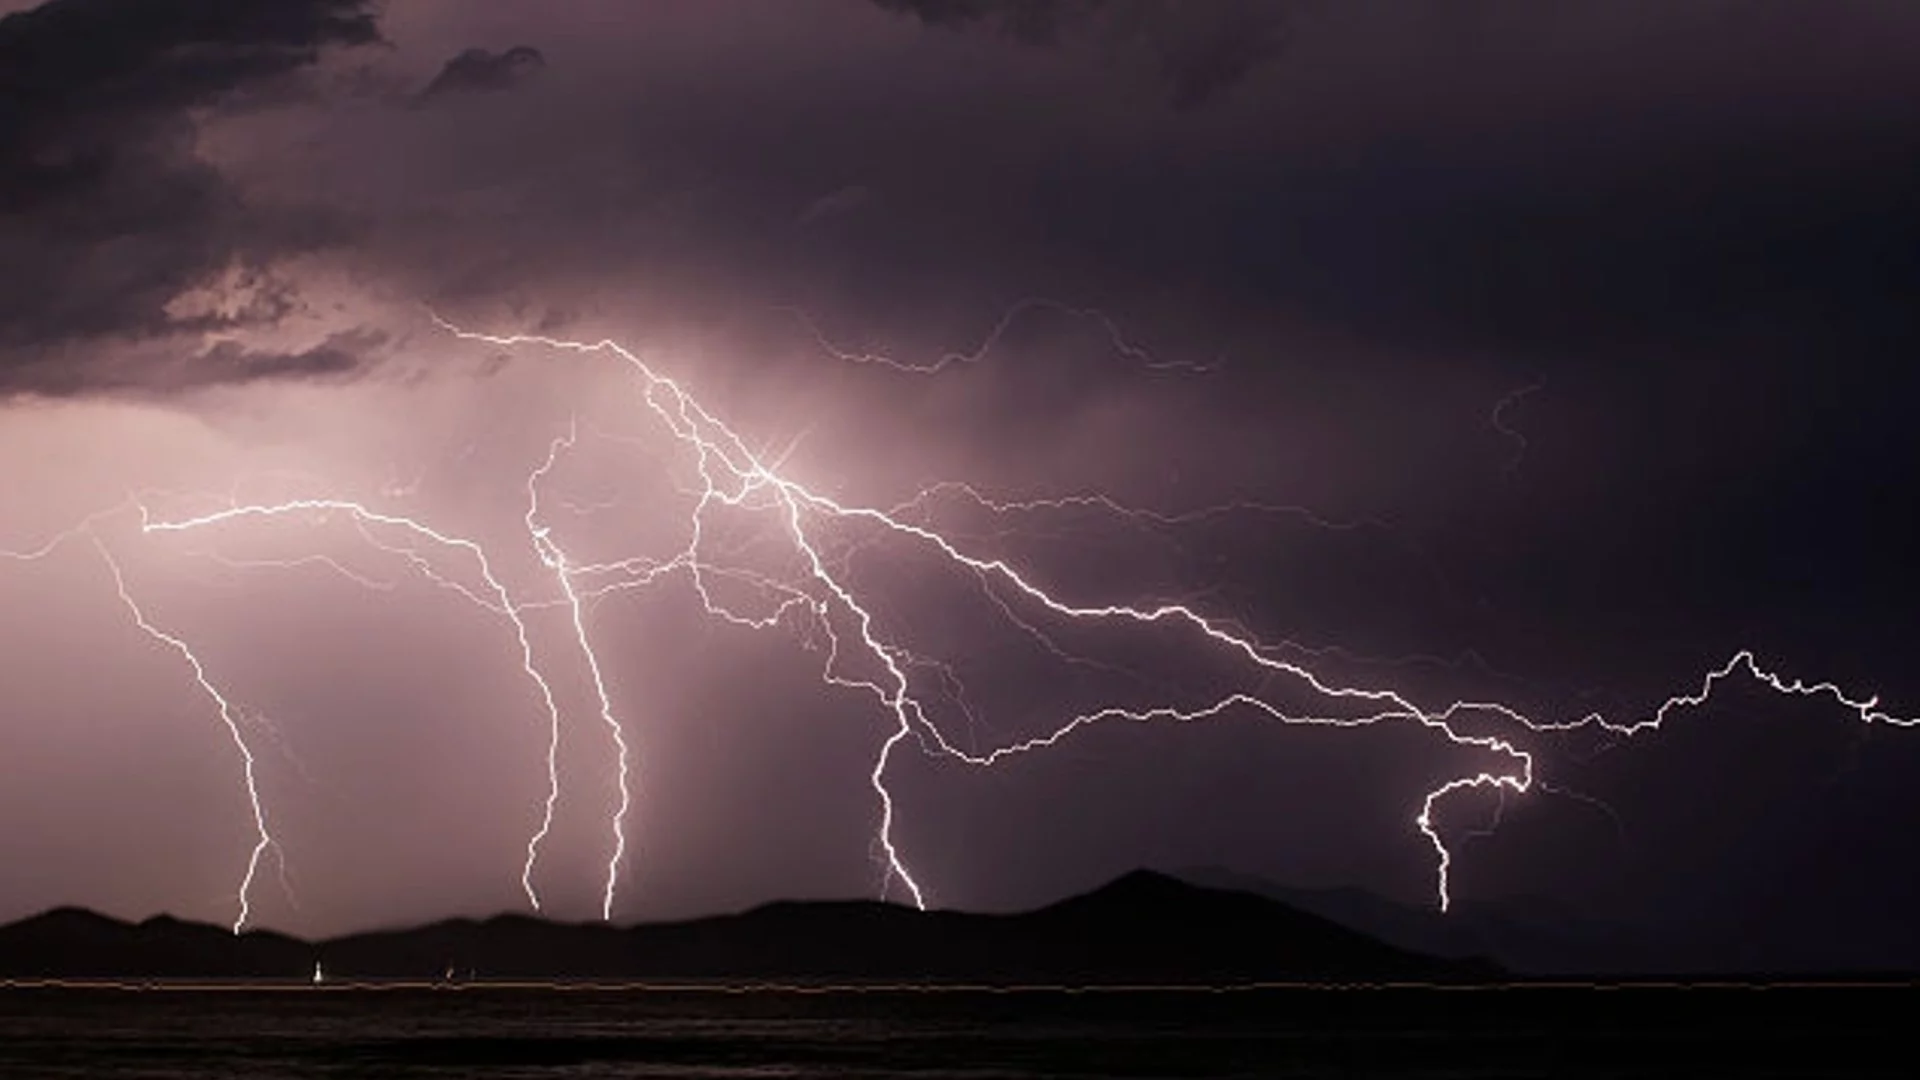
476	1030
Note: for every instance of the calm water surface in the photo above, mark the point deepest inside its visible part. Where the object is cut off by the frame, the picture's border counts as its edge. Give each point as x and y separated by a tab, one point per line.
286	1032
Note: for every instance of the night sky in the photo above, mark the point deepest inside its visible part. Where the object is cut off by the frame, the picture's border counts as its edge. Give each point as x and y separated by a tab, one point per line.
1496	351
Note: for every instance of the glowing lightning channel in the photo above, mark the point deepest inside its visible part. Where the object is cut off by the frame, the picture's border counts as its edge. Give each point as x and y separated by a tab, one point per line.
733	474
556	560
713	442
501	602
1867	709
1136	514
716	444
263	838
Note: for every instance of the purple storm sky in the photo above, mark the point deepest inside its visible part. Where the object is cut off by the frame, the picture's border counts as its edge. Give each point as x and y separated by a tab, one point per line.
1543	353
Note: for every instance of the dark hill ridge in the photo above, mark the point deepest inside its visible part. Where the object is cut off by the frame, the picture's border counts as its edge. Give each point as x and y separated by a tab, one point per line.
1539	937
1141	928
77	944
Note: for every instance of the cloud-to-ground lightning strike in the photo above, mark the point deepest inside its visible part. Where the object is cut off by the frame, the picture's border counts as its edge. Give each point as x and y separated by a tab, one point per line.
556	560
263	838
500	602
229	713
819	595
733	474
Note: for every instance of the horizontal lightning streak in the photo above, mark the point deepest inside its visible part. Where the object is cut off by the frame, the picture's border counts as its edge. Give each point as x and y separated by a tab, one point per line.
1113	506
732	474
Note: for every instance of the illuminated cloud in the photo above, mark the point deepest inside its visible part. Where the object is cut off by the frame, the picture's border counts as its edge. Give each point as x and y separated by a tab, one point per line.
1557	351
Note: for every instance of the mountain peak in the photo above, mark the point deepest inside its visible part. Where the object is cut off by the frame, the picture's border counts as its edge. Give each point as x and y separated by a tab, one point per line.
1141	926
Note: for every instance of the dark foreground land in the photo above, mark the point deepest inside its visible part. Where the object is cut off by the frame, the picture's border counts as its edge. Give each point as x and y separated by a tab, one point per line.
1140	928
1175	980
478	1030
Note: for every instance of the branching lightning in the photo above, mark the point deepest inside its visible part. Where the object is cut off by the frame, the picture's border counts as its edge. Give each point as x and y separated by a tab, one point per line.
500	602
556	560
734	474
820	596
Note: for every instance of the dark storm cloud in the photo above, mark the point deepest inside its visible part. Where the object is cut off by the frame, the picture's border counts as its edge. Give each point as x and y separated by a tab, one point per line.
1690	224
106	211
1695	224
172	366
1690	170
1541	242
1202	50
339	354
482	70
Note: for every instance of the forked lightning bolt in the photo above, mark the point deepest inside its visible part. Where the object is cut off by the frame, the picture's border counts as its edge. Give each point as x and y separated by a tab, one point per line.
733	475
500	601
820	596
556	560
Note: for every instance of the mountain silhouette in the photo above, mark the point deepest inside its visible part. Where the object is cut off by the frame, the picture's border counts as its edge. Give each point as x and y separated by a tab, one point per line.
72	943
1536	936
1143	927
